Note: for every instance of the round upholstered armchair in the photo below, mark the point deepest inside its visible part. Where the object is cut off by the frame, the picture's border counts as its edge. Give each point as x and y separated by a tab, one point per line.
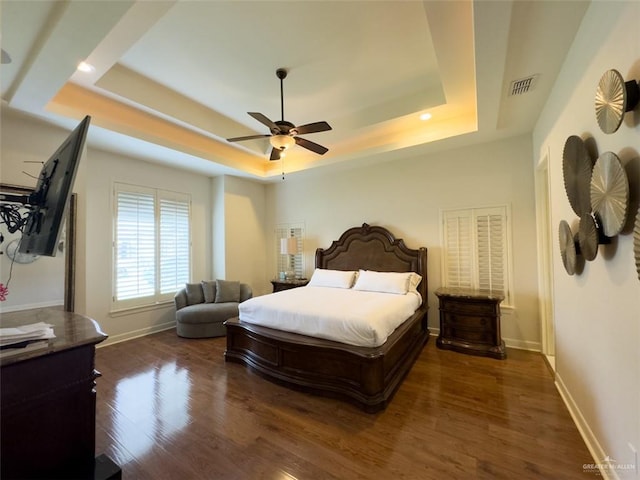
202	308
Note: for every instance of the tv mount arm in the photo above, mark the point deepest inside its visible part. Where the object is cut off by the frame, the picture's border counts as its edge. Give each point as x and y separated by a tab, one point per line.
11	203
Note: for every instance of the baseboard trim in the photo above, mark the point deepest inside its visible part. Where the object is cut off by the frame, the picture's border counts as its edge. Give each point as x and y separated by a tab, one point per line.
142	332
522	344
31	306
600	458
550	362
509	342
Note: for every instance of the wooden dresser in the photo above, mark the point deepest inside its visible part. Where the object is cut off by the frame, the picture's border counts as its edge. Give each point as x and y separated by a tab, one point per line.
470	322
48	401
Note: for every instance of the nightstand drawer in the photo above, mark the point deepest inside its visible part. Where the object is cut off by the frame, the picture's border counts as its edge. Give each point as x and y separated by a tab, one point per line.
467	321
472	308
470	336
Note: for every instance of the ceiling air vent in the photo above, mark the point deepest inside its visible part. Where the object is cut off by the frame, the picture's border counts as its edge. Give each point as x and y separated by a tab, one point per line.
523	85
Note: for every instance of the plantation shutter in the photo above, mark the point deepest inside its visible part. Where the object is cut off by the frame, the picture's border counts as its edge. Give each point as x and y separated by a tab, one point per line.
476	250
135	245
458	256
491	245
174	244
152	245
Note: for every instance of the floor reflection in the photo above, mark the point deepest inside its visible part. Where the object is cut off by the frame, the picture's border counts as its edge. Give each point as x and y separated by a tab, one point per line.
171	408
151	407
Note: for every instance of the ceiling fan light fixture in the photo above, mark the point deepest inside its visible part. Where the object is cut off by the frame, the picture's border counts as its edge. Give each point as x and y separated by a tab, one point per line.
282	142
284	135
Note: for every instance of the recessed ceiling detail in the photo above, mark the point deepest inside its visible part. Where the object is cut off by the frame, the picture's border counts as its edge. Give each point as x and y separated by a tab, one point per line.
180	76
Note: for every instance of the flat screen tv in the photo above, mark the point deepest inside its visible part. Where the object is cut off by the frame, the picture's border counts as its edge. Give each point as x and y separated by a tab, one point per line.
48	202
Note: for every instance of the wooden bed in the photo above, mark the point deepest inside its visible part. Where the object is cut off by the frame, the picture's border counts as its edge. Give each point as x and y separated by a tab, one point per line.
365	376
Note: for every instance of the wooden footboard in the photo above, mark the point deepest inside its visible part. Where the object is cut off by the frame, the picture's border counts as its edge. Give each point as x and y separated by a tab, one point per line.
367	377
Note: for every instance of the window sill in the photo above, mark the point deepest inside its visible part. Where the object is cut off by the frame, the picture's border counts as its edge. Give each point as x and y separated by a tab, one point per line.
121	312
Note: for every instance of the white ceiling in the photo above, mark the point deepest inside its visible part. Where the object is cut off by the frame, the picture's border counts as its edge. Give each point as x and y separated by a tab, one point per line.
174	79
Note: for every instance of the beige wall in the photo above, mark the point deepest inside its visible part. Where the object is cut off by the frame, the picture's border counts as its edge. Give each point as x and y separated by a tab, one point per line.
103	169
407	197
597	313
23	149
240	228
234	220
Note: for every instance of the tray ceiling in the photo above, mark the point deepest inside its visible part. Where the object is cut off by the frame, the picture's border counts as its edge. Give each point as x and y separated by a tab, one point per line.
173	80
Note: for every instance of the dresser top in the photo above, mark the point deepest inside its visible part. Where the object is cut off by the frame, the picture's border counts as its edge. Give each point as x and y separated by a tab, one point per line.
71	330
469	293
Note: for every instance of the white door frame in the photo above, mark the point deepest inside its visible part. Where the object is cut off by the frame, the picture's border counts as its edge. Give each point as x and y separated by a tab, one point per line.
545	255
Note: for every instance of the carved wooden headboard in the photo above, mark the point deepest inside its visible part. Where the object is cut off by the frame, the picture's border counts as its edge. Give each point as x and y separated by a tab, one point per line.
374	248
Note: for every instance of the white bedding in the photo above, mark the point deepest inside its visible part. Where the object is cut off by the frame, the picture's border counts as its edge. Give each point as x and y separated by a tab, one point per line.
349	316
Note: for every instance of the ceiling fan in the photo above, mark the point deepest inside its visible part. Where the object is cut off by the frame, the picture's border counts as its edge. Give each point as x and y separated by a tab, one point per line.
285	134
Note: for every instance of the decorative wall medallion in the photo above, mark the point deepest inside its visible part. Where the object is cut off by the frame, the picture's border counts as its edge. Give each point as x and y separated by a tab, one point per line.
614	97
636	242
567	248
610	193
576	169
588	237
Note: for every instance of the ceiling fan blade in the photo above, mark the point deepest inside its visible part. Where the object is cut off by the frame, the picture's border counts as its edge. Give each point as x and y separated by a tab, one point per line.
313	128
314	147
275	154
250	137
265	121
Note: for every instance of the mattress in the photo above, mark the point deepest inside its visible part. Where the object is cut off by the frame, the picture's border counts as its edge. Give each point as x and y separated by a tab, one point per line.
354	317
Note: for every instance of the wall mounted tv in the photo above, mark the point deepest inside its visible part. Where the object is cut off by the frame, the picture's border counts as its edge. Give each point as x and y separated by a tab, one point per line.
50	198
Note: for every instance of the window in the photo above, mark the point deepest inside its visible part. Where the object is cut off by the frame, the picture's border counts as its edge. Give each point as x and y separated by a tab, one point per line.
151	245
476	250
290	263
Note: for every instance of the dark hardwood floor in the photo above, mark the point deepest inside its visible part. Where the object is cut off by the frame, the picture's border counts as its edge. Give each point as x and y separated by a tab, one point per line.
171	408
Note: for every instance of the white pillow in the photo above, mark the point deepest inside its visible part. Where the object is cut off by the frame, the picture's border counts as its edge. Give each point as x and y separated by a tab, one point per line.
414	281
332	278
385	282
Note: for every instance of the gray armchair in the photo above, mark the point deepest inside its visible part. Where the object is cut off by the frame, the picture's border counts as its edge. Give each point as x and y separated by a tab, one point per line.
202	308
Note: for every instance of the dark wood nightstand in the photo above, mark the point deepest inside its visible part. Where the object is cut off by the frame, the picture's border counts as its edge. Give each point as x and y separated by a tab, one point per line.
470	322
279	285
